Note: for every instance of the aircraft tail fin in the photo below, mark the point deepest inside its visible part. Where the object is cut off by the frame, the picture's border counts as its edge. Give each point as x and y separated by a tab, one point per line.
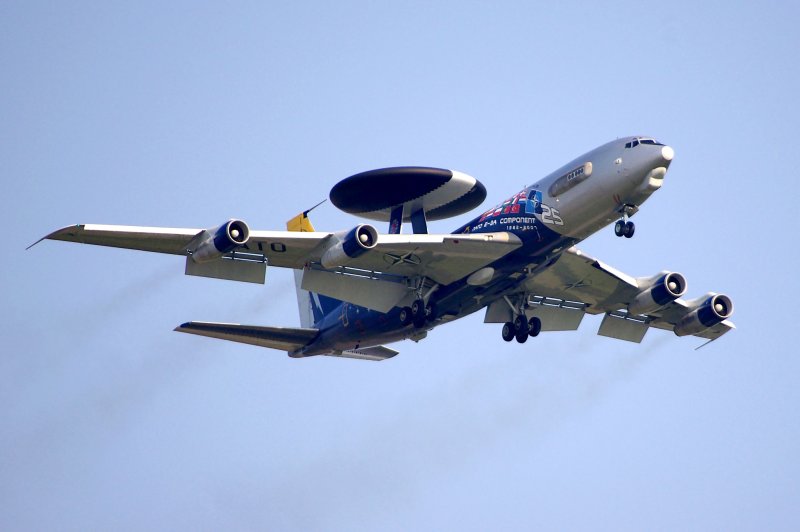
312	306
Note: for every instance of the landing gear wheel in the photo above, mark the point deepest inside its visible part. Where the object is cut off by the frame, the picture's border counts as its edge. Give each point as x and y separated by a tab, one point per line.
619	228
430	312
405	316
521	324
628	230
418	313
521	336
534	326
508	331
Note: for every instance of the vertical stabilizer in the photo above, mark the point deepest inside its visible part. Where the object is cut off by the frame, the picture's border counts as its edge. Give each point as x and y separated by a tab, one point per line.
303	301
312	306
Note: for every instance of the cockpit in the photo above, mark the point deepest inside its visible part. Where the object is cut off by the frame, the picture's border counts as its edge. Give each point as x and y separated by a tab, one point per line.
643	140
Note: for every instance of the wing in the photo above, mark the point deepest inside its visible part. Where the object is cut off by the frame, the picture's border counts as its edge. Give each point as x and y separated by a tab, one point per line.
443	258
575	276
287	249
156	239
577	282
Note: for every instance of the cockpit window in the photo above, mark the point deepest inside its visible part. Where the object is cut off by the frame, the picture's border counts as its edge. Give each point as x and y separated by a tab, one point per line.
635	142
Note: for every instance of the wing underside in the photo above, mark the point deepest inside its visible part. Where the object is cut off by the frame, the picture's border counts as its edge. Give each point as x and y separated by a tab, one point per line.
443	258
577	283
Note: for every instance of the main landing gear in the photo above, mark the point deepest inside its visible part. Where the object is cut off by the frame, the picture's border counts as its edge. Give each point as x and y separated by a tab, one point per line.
418	313
625	227
521	328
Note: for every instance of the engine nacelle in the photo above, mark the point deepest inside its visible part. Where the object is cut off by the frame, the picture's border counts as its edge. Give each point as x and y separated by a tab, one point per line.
221	240
714	309
666	288
354	243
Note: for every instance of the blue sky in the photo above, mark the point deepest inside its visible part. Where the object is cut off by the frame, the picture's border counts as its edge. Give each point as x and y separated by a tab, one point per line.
189	114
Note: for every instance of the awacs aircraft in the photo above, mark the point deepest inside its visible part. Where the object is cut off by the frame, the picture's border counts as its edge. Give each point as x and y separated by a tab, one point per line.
359	289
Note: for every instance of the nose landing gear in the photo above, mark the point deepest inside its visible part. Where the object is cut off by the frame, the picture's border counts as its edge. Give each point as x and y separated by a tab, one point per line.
625	227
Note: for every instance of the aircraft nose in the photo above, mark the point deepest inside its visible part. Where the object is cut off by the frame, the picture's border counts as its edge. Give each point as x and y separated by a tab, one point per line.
667	154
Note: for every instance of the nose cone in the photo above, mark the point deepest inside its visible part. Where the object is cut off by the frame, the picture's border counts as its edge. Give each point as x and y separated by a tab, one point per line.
667	154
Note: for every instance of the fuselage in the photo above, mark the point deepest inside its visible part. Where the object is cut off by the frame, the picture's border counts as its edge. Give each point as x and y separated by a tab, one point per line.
549	216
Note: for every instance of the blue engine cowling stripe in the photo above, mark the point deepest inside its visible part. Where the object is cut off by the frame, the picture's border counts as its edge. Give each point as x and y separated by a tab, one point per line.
351	246
707	315
222	241
661	294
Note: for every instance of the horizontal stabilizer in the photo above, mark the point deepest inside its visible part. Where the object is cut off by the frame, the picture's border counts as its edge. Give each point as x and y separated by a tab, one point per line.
283	338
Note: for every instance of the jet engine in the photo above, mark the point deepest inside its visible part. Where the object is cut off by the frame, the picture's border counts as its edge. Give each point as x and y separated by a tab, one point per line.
354	243
221	240
711	309
665	288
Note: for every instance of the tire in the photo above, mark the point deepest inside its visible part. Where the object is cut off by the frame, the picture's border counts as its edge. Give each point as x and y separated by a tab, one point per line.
521	324
430	312
418	313
534	326
629	230
521	336
508	331
619	228
405	316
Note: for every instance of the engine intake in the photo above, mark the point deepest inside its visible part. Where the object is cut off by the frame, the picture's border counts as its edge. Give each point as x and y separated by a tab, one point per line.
714	309
221	240
354	243
666	288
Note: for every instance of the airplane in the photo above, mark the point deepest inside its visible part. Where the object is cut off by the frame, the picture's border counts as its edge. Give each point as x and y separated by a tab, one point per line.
358	289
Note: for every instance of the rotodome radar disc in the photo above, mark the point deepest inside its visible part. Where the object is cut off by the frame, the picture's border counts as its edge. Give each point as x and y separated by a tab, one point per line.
438	192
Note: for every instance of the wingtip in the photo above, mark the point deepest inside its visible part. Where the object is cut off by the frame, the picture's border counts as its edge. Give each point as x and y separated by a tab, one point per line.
69	230
43	238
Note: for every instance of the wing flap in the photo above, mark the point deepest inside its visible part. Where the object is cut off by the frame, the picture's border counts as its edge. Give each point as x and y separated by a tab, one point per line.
618	327
284	338
248	271
371	293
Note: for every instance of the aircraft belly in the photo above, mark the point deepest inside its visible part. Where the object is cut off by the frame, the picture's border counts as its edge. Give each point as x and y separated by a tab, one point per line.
354	327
